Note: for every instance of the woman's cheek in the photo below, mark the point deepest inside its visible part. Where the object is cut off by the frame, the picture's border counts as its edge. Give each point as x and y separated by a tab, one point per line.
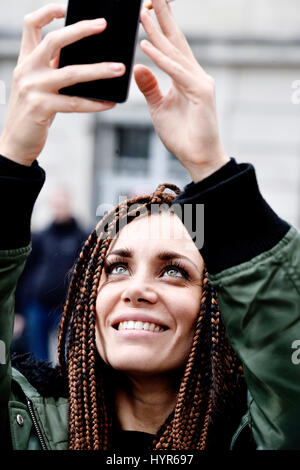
100	322
100	343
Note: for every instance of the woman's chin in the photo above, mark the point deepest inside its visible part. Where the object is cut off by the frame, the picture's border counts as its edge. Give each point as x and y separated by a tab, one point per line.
144	365
136	366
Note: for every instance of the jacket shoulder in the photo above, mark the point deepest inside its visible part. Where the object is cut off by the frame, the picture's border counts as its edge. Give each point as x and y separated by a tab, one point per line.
41	375
38	394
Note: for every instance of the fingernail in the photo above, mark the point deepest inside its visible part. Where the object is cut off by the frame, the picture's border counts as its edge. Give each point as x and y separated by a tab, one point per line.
145	12
117	67
100	22
145	43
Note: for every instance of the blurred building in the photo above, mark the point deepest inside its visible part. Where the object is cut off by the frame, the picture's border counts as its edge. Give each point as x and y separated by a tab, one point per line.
251	48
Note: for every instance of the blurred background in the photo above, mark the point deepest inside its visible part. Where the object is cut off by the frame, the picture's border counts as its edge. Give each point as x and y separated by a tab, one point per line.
251	48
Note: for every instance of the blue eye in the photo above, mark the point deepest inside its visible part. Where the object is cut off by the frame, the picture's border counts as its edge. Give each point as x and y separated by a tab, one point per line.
177	268
116	268
174	272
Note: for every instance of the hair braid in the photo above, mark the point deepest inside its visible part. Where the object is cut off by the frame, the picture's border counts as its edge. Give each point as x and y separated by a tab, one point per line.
181	414
69	305
212	376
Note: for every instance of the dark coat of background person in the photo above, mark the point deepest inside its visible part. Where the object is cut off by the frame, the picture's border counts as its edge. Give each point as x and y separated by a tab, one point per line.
43	285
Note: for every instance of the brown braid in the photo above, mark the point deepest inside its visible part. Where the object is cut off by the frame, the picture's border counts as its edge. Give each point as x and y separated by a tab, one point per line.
212	383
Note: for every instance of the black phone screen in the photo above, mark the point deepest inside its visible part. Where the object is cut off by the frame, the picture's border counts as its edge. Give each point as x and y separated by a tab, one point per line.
116	44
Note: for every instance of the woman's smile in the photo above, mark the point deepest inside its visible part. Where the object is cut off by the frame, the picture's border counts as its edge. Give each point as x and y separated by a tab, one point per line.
138	322
139	326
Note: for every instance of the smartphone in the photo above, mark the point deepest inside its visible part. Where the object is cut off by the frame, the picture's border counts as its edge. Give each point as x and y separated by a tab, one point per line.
116	44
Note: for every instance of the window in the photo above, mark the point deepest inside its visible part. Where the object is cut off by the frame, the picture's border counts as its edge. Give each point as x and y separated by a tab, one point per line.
132	147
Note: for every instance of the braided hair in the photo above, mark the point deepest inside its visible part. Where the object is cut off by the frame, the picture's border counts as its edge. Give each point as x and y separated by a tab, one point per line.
211	395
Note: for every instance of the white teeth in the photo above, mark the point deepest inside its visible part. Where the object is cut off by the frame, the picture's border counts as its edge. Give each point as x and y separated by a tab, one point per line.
138	325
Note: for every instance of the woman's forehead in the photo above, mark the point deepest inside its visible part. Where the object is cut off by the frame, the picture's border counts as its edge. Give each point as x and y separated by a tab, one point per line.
161	231
164	226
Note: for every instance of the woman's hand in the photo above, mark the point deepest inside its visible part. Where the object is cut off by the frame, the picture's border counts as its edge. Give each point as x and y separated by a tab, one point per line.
185	119
34	99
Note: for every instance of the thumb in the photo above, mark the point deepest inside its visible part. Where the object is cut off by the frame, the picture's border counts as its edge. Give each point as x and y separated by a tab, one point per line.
148	85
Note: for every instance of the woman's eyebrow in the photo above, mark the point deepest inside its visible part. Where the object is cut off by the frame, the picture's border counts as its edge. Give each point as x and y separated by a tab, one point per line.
122	252
169	255
163	255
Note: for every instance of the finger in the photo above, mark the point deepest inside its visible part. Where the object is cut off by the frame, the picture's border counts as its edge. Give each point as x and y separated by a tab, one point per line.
53	42
161	42
70	75
54	62
169	26
74	104
174	69
34	22
148	85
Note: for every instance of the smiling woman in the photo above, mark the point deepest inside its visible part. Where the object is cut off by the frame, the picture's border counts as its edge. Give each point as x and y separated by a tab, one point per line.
146	338
163	344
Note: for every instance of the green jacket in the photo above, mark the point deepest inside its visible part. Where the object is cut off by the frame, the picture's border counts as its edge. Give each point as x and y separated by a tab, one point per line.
259	302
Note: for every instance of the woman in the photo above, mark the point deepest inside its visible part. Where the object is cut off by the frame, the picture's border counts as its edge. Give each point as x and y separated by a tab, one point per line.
144	358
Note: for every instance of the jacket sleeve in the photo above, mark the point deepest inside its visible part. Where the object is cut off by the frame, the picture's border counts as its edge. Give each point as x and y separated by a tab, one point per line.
11	265
253	259
19	187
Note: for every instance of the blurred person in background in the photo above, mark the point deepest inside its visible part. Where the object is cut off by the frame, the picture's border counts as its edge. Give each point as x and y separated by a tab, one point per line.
42	289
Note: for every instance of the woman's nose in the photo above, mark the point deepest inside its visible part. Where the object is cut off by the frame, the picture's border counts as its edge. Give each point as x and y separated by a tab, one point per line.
139	291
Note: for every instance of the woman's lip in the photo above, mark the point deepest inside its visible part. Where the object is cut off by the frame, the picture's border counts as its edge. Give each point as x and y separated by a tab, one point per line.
137	317
137	333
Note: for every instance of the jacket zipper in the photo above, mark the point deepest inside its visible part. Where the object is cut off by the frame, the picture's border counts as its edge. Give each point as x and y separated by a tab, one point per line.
36	425
238	434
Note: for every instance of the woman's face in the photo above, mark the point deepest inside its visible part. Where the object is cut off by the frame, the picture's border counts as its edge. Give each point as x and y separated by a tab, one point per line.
149	296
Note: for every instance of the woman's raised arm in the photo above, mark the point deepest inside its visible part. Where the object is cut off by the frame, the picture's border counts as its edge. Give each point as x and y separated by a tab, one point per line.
34	99
185	118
